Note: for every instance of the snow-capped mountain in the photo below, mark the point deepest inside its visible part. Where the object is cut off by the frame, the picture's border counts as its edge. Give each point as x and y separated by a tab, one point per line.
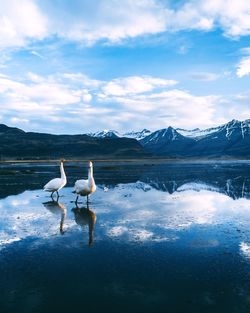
163	140
231	139
105	134
165	134
235	128
230	128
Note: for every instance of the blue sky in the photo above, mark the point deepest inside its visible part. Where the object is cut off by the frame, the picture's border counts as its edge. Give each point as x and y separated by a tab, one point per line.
82	66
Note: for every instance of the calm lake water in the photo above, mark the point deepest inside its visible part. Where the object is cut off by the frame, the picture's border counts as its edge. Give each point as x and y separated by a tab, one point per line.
155	238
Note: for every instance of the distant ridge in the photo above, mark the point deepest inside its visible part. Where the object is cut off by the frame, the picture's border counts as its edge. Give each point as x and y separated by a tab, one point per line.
18	144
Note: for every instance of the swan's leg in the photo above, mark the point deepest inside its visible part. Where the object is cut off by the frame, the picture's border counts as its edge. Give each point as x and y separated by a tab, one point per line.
57	194
87	198
52	195
76	199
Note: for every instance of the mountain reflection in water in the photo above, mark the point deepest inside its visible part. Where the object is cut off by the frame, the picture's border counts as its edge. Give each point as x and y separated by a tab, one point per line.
231	178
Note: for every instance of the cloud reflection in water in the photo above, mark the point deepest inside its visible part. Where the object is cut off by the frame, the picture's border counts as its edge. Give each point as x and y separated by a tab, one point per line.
134	212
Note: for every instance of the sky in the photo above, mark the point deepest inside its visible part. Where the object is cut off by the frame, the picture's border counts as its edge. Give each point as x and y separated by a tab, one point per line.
86	65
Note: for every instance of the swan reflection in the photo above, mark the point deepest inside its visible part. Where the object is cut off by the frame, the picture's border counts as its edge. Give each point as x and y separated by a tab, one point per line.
85	216
56	207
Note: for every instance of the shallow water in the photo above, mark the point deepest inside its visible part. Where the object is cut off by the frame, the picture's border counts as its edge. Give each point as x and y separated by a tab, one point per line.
156	238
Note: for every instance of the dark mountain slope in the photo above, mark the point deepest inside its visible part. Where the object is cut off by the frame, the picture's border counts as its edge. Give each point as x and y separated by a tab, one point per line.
167	142
17	144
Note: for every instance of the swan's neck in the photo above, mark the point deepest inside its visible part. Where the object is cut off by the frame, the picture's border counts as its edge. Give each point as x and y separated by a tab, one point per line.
90	176
63	176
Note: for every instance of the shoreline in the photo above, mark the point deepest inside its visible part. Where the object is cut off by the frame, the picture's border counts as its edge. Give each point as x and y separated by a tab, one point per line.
141	161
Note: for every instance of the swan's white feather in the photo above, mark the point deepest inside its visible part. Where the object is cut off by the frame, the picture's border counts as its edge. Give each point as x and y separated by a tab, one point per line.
82	187
54	184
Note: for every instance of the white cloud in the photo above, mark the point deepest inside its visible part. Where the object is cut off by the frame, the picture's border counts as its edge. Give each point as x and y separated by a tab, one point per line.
108	20
35	102
238	106
78	103
34	77
113	21
82	79
47	104
21	21
4	58
134	85
245	50
233	17
19	121
37	54
204	76
173	107
86	97
189	16
45	93
243	67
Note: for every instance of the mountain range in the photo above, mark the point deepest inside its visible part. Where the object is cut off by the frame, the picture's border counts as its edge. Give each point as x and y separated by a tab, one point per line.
230	140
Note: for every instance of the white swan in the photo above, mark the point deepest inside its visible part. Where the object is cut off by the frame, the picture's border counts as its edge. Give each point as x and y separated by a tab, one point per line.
84	187
56	183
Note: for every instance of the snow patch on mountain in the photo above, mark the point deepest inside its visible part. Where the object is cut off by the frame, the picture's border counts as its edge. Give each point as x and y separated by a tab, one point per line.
105	134
197	132
229	127
115	134
137	135
236	125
